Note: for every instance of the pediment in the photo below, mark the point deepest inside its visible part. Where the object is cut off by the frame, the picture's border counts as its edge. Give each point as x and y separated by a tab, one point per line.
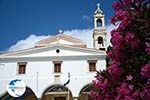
61	39
54	51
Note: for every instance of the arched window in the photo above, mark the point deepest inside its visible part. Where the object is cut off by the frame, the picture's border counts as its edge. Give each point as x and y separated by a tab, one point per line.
57	92
100	41
85	92
99	23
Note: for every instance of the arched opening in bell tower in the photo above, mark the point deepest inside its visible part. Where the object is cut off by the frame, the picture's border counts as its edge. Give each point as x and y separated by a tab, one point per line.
99	23
100	41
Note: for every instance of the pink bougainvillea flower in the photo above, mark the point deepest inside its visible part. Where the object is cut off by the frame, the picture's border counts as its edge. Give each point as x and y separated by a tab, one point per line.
123	89
117	6
129	77
132	40
115	71
147	47
145	71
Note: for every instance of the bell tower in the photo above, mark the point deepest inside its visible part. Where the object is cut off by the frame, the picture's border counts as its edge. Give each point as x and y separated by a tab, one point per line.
99	32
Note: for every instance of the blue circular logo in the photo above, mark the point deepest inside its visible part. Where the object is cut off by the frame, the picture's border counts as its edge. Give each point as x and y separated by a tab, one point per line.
16	87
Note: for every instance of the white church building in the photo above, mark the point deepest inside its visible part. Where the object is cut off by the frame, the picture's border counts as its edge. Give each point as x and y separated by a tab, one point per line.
53	62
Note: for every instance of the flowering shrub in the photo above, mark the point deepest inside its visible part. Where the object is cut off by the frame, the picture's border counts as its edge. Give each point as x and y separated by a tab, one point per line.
127	76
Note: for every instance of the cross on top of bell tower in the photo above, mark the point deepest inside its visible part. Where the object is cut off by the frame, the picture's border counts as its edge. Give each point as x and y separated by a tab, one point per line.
98	5
98	10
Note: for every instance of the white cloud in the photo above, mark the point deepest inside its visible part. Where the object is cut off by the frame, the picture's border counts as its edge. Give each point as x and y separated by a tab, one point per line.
88	18
83	34
26	43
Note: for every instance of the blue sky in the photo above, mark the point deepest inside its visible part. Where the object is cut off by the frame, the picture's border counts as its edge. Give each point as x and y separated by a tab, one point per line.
21	18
